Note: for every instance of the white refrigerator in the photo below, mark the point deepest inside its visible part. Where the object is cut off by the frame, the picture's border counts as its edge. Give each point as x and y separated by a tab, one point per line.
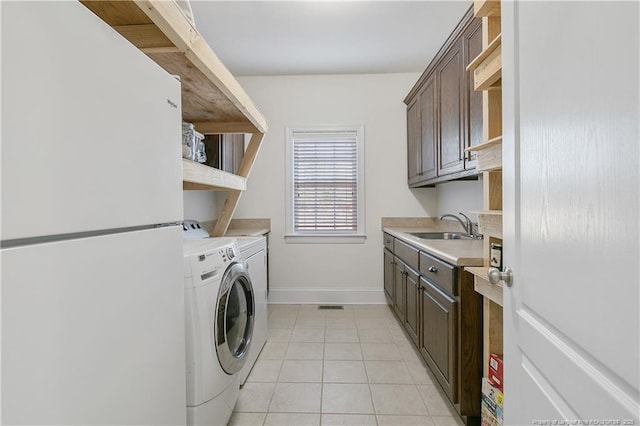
92	312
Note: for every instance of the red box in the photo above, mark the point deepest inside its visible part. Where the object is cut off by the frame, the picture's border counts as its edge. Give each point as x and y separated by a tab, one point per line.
496	371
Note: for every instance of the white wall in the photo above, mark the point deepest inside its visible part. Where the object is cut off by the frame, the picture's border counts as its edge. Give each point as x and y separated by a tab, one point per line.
460	196
333	272
202	205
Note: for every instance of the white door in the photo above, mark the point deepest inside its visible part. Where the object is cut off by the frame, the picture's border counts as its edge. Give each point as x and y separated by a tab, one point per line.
571	147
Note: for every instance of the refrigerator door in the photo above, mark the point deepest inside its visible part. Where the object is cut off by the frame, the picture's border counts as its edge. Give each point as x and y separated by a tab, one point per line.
93	331
91	127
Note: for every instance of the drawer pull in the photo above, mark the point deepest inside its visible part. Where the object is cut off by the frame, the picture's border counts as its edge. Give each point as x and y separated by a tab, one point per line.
433	269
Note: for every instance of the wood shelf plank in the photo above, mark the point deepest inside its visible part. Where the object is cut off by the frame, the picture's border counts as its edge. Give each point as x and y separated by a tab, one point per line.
488	74
489	159
486	8
490	223
482	285
485	145
495	44
488	212
218	128
199	176
210	93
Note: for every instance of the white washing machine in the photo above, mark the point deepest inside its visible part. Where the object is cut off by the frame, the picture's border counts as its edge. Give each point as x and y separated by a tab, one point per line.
220	314
254	253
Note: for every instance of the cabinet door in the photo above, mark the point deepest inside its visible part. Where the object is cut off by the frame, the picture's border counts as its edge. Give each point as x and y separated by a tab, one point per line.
439	337
450	90
398	285
413	141
428	120
412	307
388	275
472	47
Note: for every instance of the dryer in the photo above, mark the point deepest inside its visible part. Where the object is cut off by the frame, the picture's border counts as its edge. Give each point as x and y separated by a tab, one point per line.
220	315
254	253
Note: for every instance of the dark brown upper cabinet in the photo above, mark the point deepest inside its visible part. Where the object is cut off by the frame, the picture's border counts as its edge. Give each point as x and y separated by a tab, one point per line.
444	113
450	76
413	141
428	129
471	48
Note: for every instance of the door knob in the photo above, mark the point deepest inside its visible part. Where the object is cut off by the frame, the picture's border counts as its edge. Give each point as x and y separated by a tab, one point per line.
495	276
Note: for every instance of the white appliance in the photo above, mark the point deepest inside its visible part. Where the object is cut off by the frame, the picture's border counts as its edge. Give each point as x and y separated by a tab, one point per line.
91	246
220	317
254	253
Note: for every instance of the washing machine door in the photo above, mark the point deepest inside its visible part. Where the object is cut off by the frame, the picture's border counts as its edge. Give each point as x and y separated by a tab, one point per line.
234	318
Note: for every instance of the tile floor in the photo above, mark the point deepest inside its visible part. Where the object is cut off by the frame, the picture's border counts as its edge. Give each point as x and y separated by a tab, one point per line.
339	367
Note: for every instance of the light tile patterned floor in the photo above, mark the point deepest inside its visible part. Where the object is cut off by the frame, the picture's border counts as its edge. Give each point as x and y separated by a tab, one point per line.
339	367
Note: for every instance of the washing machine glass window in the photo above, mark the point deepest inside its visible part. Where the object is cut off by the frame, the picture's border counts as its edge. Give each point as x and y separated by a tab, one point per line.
234	318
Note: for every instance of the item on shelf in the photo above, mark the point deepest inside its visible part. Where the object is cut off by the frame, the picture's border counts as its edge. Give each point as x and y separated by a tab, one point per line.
192	145
492	405
496	255
496	371
201	155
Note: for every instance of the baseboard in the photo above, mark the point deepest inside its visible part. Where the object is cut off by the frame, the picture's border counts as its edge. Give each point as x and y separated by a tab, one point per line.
326	296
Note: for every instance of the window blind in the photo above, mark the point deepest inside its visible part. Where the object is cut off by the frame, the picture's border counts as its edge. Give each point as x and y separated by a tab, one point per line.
325	182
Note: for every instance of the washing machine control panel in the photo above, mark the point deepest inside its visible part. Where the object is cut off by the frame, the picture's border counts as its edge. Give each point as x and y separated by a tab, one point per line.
208	258
230	253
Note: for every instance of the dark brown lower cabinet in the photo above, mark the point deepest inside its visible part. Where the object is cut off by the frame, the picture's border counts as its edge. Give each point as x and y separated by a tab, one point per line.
388	276
412	310
442	314
439	342
398	287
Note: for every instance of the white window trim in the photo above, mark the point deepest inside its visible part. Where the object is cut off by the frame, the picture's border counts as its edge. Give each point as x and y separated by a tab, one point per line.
290	236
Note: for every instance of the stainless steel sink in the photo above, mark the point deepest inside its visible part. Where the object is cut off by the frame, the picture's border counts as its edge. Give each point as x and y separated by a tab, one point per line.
442	235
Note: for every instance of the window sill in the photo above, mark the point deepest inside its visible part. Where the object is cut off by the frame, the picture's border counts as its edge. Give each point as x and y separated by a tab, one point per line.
325	239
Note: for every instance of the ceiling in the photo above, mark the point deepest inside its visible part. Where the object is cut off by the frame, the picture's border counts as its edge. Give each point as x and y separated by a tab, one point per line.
326	37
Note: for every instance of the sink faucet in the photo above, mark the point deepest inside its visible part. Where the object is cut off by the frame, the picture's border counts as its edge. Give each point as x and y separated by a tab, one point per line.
467	224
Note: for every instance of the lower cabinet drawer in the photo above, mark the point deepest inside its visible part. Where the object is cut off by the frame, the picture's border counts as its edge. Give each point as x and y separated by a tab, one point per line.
388	242
439	272
438	343
409	255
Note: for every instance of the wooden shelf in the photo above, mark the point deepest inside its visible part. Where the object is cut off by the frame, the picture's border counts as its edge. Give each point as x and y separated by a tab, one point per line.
490	223
487	66
158	28
199	176
485	145
482	285
212	98
489	159
486	8
495	44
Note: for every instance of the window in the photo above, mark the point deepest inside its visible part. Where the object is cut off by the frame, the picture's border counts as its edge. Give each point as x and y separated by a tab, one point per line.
325	188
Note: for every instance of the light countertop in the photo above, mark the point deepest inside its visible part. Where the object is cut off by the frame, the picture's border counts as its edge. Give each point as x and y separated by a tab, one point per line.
456	252
246	232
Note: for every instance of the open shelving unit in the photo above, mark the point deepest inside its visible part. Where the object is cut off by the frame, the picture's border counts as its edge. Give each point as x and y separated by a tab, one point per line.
212	99
487	69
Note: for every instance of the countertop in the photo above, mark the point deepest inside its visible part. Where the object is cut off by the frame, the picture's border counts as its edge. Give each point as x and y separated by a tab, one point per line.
242	227
456	252
246	232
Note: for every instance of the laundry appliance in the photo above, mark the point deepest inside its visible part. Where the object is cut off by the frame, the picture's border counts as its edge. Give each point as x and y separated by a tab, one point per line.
220	313
254	253
91	245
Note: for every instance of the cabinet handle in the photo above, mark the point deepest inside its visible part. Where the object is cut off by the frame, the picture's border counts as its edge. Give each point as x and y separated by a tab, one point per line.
433	269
